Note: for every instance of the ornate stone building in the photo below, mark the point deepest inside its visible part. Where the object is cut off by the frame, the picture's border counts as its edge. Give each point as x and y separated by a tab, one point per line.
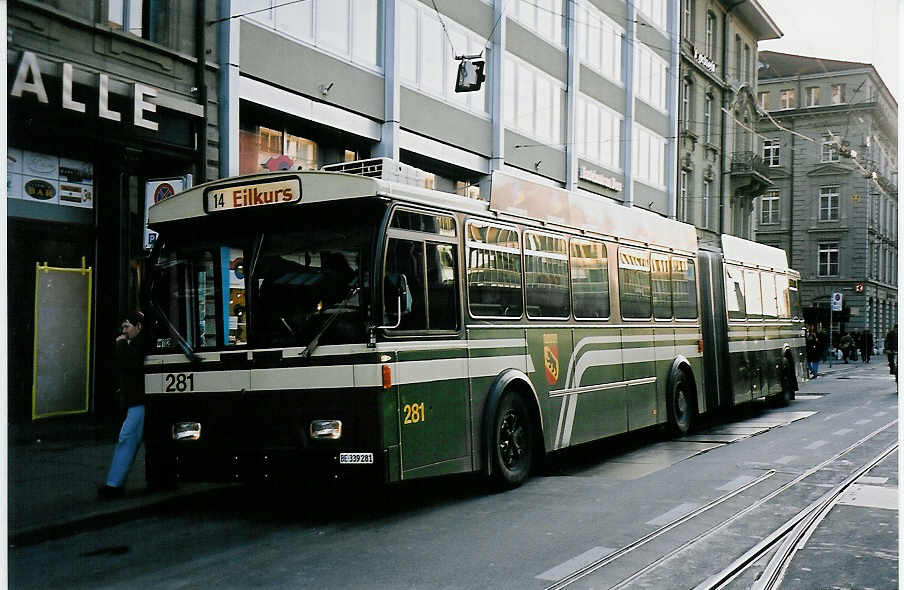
829	133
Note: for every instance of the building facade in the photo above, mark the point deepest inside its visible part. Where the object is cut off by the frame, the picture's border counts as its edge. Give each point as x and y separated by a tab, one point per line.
719	172
578	93
830	145
102	97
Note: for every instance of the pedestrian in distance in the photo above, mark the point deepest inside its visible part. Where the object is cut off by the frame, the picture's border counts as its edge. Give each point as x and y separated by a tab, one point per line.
129	361
891	350
866	348
823	340
846	344
814	355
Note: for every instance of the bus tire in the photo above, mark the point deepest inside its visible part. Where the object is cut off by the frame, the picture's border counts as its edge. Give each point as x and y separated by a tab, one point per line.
511	442
680	404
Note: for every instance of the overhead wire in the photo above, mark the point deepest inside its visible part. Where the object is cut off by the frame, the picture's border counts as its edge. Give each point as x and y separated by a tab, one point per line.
250	12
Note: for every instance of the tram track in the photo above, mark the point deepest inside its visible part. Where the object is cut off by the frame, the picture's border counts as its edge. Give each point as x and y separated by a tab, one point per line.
789	537
802	525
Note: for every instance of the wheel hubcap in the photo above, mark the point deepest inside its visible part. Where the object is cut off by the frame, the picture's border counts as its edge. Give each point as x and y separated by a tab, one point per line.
512	440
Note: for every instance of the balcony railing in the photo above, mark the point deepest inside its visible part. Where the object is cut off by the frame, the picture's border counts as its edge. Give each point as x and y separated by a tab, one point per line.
749	174
747	162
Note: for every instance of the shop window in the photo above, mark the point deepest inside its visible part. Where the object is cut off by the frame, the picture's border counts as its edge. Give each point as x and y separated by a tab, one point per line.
302	151
258	144
155	20
467	189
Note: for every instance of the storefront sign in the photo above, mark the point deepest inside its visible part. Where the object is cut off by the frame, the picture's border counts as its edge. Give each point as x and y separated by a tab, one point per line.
29	80
45	178
705	61
591	175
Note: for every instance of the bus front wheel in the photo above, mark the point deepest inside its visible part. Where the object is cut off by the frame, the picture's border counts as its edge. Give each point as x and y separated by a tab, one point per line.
512	442
680	405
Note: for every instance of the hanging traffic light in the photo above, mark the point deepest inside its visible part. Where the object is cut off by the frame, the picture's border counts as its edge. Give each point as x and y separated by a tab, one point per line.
470	73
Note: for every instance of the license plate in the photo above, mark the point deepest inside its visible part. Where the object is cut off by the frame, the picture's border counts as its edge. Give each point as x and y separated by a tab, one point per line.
356	458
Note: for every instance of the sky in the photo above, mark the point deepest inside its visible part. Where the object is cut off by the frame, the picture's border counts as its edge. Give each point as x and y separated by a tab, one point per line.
849	30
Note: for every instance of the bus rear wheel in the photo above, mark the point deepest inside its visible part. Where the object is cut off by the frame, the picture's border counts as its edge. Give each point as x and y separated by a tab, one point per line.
512	442
680	405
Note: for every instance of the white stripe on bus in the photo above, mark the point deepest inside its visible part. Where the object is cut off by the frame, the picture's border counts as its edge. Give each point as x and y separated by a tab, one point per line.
345	376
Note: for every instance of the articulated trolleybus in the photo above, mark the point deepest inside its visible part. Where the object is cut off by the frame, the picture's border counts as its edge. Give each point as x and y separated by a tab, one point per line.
338	322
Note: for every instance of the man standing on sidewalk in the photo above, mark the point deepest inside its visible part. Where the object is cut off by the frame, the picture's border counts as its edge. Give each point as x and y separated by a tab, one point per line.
867	345
891	349
130	365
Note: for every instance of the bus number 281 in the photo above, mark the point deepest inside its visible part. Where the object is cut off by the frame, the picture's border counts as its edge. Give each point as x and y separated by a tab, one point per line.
179	382
414	413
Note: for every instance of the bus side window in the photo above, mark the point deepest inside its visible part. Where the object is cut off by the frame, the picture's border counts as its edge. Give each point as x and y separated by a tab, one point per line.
684	288
442	286
754	297
794	297
662	288
407	257
770	305
546	276
783	296
494	271
634	283
589	279
734	293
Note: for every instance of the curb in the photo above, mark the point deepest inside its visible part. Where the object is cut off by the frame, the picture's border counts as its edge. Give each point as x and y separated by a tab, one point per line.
107	514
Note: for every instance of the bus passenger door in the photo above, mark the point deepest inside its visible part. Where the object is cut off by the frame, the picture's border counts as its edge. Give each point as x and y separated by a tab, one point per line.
738	356
593	397
431	371
639	362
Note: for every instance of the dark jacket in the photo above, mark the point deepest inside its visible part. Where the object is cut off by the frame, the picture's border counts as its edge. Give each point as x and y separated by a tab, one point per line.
891	341
814	350
130	366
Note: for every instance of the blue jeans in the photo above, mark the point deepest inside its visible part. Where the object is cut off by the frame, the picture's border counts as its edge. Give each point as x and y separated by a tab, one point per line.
814	367
129	439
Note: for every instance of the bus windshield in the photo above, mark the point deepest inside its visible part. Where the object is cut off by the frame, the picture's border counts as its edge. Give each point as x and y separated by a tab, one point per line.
304	279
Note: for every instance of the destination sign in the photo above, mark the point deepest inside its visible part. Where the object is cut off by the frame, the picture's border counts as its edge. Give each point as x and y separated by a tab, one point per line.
241	196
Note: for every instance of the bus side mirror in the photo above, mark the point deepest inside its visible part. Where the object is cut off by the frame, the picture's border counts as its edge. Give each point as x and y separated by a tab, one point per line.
396	285
404	294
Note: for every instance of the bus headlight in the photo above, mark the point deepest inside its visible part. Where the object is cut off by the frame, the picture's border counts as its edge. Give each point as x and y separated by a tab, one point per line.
326	429
186	431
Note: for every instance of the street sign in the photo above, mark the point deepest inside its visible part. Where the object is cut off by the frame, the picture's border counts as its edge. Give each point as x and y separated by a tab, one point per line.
836	301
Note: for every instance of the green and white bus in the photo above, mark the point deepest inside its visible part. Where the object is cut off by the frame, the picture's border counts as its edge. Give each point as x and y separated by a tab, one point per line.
342	324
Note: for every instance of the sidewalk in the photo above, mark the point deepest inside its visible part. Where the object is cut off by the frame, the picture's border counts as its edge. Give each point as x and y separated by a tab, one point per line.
52	487
52	484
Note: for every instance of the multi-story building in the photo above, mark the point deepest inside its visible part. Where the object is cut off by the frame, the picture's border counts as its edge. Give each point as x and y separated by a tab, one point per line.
102	97
719	171
830	145
578	93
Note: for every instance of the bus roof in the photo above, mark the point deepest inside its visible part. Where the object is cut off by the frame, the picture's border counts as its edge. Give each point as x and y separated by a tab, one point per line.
511	198
740	251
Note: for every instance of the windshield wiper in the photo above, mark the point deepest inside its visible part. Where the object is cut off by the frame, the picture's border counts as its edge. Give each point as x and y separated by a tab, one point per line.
315	341
174	332
257	255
